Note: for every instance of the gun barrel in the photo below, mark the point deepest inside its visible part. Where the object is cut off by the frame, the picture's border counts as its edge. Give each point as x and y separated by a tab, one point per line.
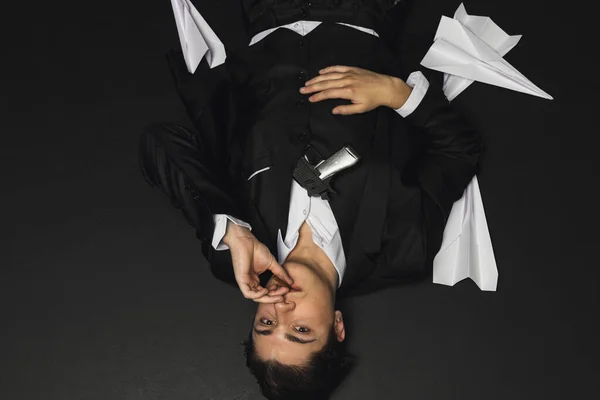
342	159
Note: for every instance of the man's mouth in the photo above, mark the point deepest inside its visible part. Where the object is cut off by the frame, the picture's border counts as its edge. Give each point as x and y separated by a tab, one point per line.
285	284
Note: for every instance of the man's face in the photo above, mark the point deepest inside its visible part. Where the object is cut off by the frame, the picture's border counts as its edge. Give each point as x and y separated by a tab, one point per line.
290	331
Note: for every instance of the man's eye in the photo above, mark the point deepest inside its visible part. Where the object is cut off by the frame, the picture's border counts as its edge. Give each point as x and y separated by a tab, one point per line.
266	321
302	329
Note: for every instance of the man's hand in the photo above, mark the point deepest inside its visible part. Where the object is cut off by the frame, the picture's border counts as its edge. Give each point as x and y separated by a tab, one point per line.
366	89
251	258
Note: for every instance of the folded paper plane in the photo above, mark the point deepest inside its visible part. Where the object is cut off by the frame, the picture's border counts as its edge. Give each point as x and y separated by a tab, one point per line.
466	250
470	48
196	37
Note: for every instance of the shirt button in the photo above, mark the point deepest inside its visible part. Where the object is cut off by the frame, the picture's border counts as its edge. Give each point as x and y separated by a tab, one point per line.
300	103
304	212
296	25
302	136
303	13
301	44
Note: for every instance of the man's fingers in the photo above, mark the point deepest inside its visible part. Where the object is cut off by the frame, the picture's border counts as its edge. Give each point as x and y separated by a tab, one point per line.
278	291
269	299
336	68
350	109
339	93
281	273
320	78
253	293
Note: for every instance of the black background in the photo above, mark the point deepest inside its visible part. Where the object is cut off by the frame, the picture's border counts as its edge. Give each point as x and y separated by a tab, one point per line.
105	294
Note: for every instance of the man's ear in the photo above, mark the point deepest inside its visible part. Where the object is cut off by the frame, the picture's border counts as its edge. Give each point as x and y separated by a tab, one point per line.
338	326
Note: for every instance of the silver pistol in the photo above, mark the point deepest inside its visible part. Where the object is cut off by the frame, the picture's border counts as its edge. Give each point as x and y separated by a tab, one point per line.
342	159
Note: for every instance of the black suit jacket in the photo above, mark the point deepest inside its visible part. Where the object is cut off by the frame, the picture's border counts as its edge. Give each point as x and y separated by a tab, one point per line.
391	209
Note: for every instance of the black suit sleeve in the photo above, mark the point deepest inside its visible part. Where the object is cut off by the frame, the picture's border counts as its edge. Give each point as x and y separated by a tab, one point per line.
450	150
424	190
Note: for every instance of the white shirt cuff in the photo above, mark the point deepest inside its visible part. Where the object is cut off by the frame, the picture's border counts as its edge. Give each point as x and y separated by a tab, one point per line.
221	229
419	85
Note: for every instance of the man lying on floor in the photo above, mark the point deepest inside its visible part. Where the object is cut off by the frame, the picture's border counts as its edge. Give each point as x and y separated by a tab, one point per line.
316	81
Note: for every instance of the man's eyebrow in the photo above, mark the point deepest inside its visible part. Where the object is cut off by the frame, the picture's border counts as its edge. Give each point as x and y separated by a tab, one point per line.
298	340
291	338
266	332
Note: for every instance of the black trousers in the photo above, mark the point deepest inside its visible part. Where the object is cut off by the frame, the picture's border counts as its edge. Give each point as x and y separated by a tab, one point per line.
174	159
171	157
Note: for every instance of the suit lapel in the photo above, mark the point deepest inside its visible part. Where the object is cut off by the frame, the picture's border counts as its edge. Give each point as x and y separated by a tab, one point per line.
282	186
272	206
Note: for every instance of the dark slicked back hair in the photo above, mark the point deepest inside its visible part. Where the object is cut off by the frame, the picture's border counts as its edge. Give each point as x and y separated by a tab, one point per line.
315	380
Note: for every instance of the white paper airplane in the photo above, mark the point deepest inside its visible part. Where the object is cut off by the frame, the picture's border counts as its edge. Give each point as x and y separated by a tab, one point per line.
466	250
470	48
196	37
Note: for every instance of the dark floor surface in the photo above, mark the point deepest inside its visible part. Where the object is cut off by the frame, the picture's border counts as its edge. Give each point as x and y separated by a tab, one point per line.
105	294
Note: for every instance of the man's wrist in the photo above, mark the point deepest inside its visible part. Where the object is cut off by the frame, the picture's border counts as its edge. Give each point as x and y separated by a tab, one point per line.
399	93
235	231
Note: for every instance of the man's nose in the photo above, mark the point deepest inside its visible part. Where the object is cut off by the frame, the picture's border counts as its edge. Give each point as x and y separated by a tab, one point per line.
285	306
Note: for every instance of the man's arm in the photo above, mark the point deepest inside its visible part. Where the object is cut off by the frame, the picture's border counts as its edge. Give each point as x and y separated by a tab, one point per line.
451	145
451	148
250	259
431	182
222	221
410	95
